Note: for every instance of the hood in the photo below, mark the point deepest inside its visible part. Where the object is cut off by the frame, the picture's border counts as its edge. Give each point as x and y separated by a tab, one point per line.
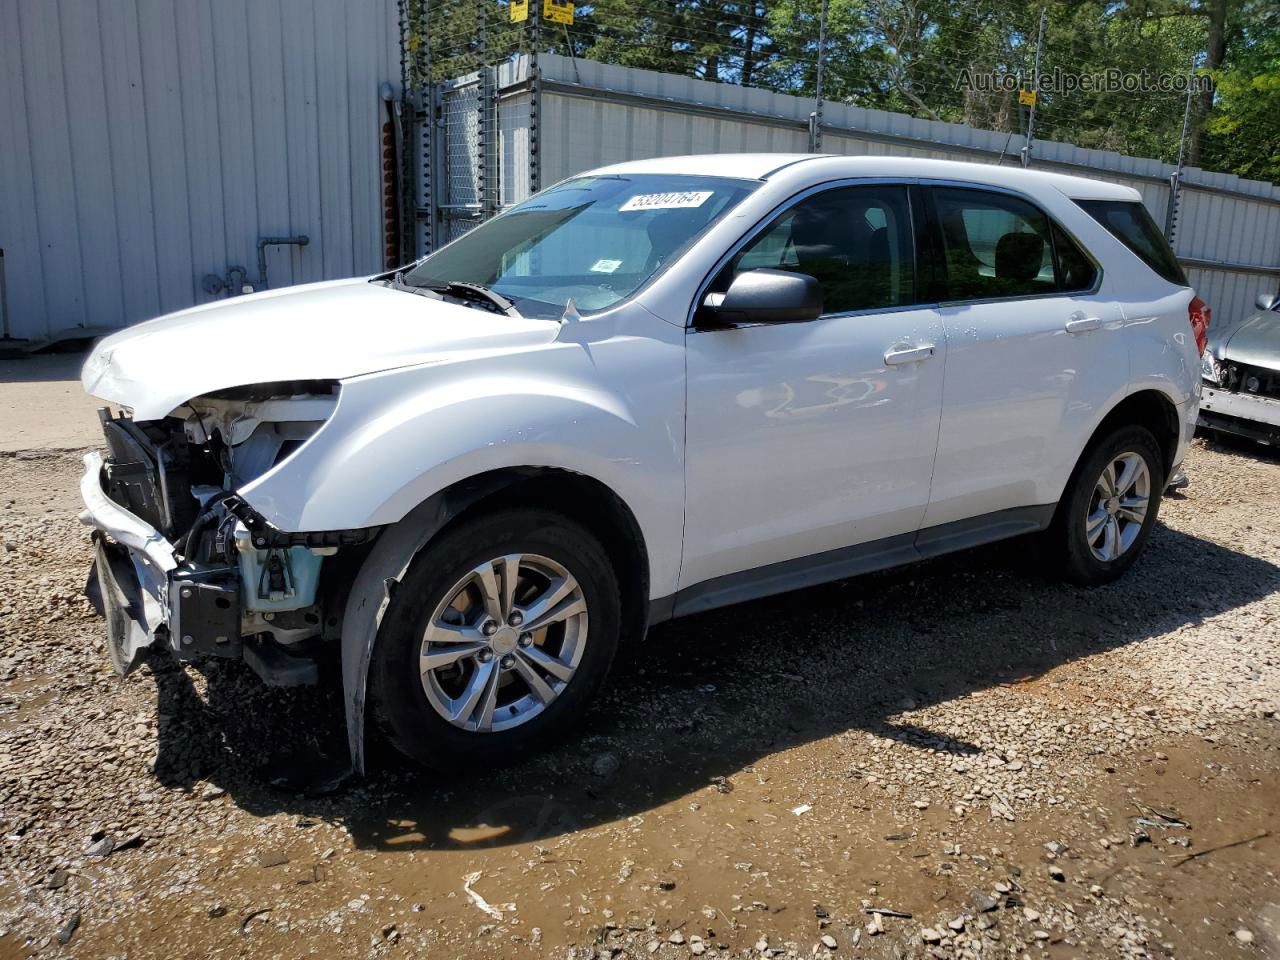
320	331
1255	341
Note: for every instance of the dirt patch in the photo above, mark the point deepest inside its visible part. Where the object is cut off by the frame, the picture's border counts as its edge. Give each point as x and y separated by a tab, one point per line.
1022	766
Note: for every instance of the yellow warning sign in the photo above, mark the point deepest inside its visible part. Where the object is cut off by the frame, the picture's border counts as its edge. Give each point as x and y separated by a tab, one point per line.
1027	98
519	11
558	11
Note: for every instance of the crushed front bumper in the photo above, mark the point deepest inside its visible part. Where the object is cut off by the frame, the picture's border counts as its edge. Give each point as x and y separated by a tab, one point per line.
130	575
103	513
147	596
1243	414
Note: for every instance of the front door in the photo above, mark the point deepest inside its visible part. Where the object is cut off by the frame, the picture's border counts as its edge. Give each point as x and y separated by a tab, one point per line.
806	439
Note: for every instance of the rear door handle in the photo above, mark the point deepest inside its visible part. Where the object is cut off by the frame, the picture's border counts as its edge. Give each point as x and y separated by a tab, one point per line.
1079	323
896	355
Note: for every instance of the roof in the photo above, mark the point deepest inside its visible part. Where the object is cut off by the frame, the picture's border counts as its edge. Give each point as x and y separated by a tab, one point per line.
750	166
761	166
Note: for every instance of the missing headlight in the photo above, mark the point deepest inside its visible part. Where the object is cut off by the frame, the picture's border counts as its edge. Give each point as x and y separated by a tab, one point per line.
250	429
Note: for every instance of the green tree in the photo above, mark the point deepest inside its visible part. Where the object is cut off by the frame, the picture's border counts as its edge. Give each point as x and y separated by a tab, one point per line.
1242	134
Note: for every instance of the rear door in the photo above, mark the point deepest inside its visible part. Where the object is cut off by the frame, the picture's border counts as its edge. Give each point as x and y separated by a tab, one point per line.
1033	351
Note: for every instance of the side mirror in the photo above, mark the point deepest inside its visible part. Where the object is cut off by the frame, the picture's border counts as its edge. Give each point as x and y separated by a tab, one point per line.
765	296
1266	301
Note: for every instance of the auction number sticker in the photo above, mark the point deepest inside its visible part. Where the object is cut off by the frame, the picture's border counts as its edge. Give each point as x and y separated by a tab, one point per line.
667	201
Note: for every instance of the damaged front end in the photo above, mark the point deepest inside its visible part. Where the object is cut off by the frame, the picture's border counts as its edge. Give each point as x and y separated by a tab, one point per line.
1241	398
1241	377
183	561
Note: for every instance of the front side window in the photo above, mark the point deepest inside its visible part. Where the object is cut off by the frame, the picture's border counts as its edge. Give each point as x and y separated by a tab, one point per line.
993	245
855	240
595	240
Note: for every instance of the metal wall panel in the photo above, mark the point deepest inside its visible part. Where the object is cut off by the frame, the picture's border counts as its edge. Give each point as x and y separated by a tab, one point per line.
599	132
594	114
150	142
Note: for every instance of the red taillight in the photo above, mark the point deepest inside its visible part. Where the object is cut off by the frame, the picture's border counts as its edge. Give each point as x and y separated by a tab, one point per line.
1199	313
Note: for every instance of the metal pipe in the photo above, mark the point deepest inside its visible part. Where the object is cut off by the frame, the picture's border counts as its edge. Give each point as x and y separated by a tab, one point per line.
1202	264
421	215
1035	94
815	118
264	242
1175	181
535	107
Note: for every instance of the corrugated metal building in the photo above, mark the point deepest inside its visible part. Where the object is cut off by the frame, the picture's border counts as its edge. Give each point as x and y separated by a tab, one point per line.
148	143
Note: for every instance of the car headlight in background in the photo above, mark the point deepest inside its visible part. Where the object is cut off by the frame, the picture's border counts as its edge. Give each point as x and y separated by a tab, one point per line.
1209	369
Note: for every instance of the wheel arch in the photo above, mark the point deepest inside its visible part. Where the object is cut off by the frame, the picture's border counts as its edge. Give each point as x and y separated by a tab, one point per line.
1149	408
582	498
589	502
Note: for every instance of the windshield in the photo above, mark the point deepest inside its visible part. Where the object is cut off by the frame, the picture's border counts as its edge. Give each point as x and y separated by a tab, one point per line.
595	240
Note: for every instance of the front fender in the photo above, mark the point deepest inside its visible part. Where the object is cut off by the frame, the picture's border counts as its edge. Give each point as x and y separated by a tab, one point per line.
612	411
401	444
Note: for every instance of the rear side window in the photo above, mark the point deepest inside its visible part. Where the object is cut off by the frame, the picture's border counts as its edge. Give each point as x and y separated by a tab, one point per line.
993	245
1129	222
1075	270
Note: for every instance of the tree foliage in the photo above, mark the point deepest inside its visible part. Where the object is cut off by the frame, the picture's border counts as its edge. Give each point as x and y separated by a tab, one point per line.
1242	134
911	55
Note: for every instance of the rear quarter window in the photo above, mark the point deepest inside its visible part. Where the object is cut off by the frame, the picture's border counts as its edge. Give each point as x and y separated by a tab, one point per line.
1130	223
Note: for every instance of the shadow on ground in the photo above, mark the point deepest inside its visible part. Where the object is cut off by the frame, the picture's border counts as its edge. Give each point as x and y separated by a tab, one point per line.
42	367
703	697
1232	445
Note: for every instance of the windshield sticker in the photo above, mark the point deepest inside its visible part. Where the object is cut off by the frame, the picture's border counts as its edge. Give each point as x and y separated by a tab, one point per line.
667	201
605	266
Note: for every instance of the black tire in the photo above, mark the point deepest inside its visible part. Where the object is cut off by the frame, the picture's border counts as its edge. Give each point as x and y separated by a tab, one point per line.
400	703
1067	537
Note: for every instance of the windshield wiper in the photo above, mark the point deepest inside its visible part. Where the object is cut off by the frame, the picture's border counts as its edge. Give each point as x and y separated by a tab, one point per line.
397	281
479	293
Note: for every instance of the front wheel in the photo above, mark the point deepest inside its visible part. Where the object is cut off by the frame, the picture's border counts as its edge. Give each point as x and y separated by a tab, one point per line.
497	638
1109	507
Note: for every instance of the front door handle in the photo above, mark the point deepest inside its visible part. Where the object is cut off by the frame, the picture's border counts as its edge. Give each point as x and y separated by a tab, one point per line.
896	355
1079	323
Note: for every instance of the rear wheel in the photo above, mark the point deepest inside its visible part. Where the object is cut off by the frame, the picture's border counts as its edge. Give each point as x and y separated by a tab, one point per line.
496	639
1109	507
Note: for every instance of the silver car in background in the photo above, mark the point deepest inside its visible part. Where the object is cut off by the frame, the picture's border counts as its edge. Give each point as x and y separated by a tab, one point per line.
1241	371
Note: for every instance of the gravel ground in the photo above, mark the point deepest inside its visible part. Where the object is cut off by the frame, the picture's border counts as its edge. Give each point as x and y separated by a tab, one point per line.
962	758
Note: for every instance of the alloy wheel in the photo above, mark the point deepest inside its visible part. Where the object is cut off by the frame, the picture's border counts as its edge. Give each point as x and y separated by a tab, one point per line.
1118	506
504	642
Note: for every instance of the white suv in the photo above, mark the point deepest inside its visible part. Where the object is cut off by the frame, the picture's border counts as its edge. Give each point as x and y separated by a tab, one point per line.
651	390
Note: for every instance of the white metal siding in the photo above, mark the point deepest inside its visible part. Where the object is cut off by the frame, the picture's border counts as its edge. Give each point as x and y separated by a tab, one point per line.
146	143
